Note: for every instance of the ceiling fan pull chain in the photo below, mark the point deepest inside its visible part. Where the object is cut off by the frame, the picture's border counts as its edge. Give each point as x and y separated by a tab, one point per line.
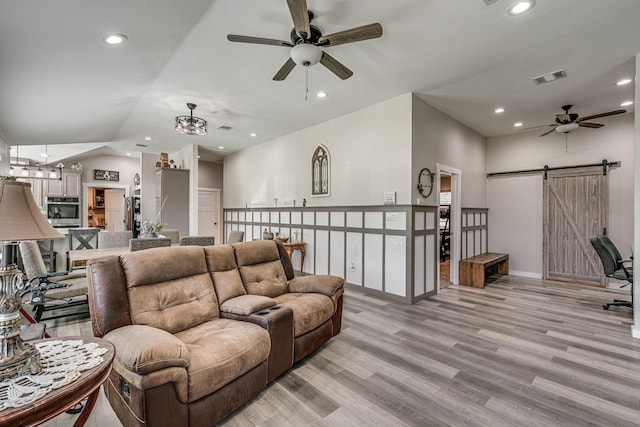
566	139
306	83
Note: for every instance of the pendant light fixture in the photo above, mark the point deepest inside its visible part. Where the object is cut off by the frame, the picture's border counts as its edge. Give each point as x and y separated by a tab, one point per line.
191	125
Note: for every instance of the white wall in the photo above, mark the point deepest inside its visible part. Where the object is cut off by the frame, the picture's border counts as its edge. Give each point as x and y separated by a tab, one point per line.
370	153
5	159
438	138
127	166
210	174
515	202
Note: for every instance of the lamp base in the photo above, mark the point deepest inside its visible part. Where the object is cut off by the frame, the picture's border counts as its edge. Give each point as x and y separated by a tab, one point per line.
16	356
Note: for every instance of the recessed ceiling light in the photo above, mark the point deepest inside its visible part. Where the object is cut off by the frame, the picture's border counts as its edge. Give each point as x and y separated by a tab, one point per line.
517	124
114	39
322	94
626	103
147	138
499	110
128	154
624	82
521	7
253	134
45	155
220	147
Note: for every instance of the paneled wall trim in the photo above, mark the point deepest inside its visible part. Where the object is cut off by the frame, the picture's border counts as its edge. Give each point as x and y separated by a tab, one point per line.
473	239
390	250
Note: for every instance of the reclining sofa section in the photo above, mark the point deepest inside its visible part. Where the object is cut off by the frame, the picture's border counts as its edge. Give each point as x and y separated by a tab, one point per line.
199	331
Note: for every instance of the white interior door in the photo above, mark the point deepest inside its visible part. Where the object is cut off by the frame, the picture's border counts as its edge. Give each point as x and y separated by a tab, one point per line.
209	213
114	210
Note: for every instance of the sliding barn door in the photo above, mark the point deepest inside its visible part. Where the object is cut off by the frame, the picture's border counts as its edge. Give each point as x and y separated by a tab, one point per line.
576	205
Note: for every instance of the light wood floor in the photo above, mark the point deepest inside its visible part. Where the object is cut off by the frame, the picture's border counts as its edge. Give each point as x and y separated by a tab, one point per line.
518	352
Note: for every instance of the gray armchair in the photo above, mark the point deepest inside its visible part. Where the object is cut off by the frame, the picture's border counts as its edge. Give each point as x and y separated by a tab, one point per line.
142	244
197	240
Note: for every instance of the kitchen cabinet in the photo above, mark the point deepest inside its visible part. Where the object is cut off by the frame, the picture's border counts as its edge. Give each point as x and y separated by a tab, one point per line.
172	189
70	185
37	186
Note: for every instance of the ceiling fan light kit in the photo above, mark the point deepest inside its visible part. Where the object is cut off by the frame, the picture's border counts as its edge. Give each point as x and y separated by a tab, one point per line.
567	128
306	54
191	125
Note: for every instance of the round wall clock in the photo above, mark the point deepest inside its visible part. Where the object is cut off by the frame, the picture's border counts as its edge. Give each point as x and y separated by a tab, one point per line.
425	182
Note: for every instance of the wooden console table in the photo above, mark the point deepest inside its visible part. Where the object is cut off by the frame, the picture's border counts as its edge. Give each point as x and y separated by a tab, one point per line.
296	246
62	399
472	269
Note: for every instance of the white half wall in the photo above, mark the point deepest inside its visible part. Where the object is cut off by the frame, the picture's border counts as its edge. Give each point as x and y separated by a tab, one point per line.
515	202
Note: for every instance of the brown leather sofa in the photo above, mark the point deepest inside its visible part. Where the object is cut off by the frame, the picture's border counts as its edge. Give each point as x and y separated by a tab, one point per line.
198	331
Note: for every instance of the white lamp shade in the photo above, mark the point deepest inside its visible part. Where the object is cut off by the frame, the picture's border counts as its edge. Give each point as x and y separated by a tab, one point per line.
20	216
306	54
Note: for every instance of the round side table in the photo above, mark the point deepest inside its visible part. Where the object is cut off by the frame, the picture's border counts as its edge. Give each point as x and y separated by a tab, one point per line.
61	399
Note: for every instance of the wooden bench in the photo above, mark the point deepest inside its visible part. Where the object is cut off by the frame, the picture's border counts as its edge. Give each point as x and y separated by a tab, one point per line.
472	269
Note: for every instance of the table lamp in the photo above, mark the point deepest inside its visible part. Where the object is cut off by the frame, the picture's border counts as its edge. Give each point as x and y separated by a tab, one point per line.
20	219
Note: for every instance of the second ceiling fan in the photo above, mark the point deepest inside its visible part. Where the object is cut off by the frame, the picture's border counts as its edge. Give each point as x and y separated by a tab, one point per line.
567	122
307	42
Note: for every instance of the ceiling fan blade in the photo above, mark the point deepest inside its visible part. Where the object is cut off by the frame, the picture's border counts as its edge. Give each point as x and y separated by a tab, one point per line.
366	32
533	127
547	132
284	71
609	113
257	40
590	125
300	15
335	67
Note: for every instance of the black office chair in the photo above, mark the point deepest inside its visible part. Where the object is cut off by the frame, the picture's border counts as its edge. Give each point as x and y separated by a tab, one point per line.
614	266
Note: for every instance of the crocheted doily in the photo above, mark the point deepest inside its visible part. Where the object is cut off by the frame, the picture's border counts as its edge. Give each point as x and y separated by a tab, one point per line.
62	362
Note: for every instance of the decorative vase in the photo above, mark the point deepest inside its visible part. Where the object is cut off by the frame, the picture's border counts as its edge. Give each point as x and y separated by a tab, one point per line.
149	235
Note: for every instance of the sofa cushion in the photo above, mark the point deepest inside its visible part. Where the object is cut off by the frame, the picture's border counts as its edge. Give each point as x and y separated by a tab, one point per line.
309	310
220	351
221	263
178	296
244	305
260	268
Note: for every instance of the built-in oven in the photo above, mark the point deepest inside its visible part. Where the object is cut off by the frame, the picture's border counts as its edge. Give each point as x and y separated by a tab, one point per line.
63	212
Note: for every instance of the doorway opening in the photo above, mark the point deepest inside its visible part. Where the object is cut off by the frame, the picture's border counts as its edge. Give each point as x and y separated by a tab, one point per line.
444	237
103	207
449	185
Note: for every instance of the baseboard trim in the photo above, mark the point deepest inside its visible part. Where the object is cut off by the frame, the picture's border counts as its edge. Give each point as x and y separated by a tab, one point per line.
525	274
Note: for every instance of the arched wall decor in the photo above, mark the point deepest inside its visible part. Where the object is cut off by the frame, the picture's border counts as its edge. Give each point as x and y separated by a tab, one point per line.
320	163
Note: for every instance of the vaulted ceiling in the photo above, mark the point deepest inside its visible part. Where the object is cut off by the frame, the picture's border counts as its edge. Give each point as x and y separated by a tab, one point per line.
61	84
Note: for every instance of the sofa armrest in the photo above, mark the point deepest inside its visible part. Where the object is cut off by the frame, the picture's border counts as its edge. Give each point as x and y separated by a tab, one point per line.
143	349
244	305
278	321
321	284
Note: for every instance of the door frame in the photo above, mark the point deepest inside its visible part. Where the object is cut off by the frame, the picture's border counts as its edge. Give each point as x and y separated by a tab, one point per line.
219	226
85	196
455	223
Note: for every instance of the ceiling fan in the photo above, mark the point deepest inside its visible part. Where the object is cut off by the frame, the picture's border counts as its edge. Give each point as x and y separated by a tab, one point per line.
307	42
567	122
